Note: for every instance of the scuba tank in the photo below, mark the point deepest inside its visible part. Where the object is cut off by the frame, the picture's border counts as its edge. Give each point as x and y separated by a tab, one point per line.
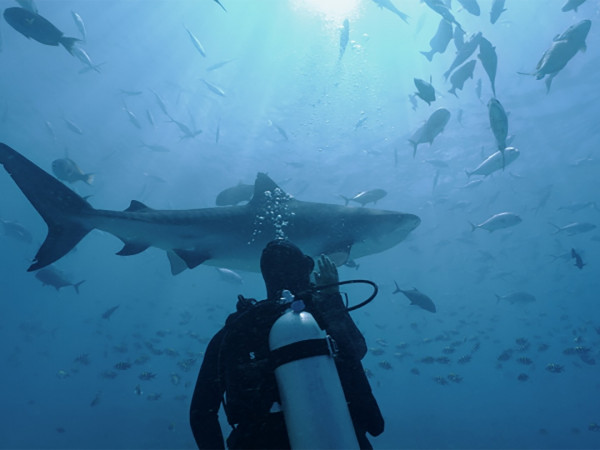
313	402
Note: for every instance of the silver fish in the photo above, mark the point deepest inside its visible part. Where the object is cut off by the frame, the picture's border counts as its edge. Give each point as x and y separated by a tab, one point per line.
495	162
498	222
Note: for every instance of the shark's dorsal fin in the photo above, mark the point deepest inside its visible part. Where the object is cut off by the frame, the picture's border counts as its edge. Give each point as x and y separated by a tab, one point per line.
263	184
136	206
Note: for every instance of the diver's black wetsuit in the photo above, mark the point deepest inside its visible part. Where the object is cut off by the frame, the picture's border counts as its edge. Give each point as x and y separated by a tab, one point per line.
248	382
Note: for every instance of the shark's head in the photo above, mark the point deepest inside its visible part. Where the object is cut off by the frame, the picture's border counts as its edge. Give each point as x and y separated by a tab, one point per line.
381	230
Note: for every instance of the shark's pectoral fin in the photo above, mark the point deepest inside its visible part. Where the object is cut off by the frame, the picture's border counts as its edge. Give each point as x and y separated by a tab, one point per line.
339	254
132	248
178	265
192	258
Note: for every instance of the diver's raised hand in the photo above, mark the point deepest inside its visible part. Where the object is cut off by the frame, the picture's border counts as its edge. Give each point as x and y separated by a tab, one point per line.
326	274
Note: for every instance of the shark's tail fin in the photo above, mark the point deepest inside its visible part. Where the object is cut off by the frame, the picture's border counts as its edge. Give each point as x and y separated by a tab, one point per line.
397	288
58	205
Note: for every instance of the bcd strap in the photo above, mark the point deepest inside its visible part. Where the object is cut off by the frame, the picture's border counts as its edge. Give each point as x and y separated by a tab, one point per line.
299	350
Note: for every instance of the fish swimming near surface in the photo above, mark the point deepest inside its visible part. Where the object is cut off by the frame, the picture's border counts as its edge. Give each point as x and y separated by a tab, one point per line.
33	26
471	6
344	37
464	53
365	197
497	9
425	91
235	195
439	42
489	60
16	231
462	74
564	47
109	312
387	4
434	126
459	38
232	237
417	298
51	276
495	161
572	5
67	170
498	222
516	298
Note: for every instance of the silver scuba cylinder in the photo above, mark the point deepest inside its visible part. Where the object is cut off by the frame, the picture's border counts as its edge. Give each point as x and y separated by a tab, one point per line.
313	402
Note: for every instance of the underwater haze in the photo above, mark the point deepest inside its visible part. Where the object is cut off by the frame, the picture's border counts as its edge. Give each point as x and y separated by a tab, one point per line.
170	102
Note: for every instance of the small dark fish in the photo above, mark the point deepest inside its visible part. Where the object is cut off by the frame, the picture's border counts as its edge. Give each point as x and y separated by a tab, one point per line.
16	231
428	132
387	4
196	42
123	365
66	169
572	5
109	312
442	10
146	376
220	4
360	122
344	37
51	276
219	65
489	61
214	89
497	9
425	91
34	26
417	298
464	53
280	130
73	127
234	195
461	75
577	257
365	197
439	42
471	6
96	399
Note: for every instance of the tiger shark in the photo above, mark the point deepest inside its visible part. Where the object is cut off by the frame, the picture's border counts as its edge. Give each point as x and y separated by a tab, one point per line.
231	236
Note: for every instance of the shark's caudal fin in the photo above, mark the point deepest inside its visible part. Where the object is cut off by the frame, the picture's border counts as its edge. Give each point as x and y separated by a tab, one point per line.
57	204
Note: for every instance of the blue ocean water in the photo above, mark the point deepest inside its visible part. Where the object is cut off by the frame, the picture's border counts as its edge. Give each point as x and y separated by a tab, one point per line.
475	374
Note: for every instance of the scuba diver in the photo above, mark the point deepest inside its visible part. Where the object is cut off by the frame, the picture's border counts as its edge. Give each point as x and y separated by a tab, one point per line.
238	369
